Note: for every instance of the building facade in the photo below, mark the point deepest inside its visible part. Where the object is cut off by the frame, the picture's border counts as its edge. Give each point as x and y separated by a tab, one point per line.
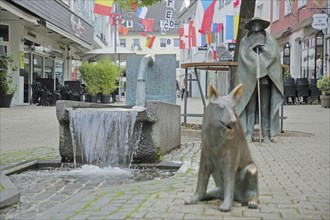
44	38
301	44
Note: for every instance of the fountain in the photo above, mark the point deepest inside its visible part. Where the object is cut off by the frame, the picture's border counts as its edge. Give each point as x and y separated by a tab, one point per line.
106	135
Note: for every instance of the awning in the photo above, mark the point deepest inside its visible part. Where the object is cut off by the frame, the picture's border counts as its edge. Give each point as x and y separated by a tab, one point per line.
18	12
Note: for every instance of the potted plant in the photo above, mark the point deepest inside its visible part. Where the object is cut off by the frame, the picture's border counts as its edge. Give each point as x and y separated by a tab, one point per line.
107	75
7	88
88	72
324	85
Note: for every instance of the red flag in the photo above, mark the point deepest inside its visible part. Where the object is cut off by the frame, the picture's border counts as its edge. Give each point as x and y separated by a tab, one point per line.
103	7
192	34
148	24
143	34
181	31
134	7
236	3
208	17
123	30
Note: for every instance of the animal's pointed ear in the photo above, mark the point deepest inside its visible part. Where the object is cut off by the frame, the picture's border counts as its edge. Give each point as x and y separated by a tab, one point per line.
213	91
237	93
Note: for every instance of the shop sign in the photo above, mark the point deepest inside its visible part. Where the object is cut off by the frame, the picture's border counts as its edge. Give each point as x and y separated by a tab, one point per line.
320	21
77	26
231	46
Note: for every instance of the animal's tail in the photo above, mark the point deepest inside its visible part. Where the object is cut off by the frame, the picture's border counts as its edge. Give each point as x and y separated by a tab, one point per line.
213	91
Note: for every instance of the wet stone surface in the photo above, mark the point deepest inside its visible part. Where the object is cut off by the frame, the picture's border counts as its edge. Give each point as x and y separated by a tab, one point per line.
43	189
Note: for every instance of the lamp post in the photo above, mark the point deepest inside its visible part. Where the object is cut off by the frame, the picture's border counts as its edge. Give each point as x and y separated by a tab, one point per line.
115	47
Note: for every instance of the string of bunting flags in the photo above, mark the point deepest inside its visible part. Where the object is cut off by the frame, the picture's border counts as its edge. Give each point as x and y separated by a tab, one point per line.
104	7
198	33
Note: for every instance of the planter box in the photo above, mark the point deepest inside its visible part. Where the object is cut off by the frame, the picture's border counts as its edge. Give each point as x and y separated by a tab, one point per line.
325	101
5	100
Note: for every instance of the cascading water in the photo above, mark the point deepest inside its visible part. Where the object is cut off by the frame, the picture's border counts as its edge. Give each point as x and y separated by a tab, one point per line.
104	136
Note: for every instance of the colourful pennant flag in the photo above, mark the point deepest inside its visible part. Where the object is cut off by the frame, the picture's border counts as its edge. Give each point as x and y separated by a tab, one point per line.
141	12
143	34
208	17
123	30
182	44
134	7
204	15
192	34
150	41
103	7
237	6
216	27
208	37
231	27
148	24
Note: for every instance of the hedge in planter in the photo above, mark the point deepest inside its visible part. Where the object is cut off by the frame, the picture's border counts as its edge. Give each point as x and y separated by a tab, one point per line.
107	74
324	85
89	74
7	88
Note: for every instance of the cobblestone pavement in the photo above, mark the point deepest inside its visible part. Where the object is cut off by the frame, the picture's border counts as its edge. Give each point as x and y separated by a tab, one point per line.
293	182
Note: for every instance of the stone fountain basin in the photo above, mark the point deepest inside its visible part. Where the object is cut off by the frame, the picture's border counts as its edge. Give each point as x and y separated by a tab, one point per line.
160	133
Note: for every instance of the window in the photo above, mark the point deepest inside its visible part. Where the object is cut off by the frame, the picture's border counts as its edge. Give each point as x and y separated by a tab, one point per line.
287	7
136	44
49	68
4	33
286	53
275	10
176	43
221	3
163	42
302	3
123	42
259	10
37	67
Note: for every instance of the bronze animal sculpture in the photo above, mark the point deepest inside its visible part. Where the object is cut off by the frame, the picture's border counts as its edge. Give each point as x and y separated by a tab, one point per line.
225	155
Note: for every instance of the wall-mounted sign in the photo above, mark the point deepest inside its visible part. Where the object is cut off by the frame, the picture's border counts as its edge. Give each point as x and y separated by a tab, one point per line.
231	46
77	26
320	21
168	23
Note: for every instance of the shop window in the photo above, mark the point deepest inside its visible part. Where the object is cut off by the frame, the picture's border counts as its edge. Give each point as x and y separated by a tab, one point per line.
58	73
37	67
49	68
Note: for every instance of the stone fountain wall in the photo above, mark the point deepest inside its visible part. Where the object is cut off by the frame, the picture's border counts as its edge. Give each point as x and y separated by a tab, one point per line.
161	130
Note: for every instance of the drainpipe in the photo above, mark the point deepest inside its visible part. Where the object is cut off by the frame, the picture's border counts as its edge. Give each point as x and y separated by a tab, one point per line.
146	61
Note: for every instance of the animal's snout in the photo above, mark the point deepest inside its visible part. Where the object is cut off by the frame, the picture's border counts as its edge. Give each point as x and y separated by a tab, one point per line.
232	120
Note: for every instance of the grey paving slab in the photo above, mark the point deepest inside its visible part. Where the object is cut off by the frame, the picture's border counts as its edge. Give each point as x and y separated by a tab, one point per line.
293	180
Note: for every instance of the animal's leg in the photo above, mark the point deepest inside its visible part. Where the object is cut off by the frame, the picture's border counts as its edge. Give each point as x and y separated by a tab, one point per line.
215	193
202	182
229	183
250	181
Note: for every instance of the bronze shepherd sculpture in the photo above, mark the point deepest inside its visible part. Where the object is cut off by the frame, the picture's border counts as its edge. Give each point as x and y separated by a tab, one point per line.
225	155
